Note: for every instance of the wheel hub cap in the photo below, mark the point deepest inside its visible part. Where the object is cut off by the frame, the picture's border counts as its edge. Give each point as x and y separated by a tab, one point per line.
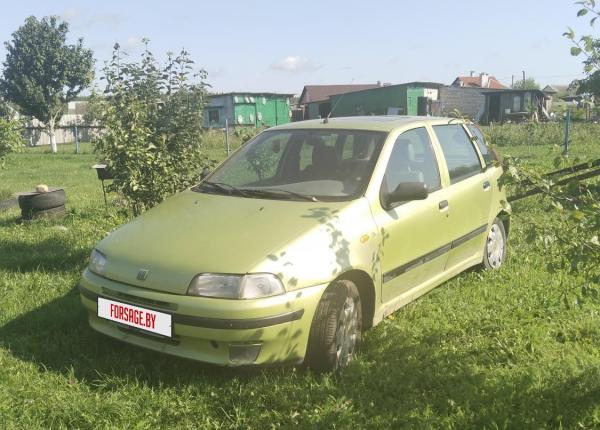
347	332
495	247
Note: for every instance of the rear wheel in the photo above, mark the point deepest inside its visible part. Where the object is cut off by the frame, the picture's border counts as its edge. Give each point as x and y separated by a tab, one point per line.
336	329
494	252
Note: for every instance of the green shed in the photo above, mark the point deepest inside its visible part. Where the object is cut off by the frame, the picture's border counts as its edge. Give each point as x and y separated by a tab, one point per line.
247	109
412	98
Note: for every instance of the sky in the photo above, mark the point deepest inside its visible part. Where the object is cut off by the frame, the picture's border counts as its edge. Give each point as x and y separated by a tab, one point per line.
280	46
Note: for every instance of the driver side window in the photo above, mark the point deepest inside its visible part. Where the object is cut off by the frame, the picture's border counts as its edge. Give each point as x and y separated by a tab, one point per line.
412	160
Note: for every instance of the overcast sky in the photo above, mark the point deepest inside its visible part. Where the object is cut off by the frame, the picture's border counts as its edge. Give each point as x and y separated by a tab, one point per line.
279	45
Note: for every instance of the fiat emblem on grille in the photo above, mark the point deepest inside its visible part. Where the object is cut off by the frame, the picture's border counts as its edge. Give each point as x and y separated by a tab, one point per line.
142	274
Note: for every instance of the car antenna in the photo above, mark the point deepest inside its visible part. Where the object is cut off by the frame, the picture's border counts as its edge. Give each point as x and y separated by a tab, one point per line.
326	119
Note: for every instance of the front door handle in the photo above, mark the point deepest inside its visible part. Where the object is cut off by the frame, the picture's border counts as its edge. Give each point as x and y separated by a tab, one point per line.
486	185
443	205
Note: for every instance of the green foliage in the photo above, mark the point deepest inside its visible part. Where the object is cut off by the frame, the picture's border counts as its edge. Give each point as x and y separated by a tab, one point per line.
10	138
42	72
527	84
588	46
569	236
6	111
568	232
153	121
541	134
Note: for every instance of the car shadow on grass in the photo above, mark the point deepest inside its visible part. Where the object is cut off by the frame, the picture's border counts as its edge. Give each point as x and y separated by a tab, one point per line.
57	336
53	254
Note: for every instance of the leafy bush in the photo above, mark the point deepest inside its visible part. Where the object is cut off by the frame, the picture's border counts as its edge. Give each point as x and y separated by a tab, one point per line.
10	138
568	227
153	121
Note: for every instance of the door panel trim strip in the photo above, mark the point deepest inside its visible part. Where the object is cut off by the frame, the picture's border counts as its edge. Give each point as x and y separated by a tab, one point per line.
406	267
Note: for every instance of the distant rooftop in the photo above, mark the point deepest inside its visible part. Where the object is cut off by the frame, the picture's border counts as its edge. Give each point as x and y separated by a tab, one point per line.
436	85
318	93
250	93
482	81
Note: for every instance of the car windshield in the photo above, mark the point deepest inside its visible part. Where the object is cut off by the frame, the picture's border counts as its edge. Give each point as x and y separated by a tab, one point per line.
299	165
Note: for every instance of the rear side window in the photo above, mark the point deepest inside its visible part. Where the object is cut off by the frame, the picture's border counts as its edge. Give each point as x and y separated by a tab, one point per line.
488	156
459	152
412	160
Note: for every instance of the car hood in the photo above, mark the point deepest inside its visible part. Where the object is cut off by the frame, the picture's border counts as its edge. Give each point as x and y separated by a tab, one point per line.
193	233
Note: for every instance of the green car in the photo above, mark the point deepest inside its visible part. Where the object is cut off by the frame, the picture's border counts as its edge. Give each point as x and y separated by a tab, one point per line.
304	237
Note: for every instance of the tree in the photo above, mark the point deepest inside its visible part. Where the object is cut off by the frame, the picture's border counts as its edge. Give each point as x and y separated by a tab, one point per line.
42	72
589	47
152	116
569	235
527	84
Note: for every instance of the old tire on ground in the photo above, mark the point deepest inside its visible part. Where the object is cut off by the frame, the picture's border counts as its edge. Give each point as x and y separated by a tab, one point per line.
494	250
336	328
40	213
42	201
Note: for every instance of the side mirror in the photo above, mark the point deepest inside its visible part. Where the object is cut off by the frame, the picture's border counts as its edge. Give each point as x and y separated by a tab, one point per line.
406	192
205	173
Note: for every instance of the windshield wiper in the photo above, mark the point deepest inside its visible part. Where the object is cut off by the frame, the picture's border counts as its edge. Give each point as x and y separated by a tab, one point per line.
278	192
225	188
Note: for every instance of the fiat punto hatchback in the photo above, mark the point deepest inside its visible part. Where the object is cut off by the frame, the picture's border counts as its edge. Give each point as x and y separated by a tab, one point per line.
307	235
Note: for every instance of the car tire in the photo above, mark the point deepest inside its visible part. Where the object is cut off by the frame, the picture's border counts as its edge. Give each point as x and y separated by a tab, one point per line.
56	212
494	250
336	329
42	201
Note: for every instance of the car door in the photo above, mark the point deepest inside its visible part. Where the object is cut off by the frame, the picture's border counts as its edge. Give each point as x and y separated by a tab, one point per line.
413	233
469	195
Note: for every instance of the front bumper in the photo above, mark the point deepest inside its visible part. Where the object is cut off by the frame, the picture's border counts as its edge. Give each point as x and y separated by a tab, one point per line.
208	329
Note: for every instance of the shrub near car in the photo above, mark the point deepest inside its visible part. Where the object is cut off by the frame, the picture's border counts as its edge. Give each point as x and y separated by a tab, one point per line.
307	235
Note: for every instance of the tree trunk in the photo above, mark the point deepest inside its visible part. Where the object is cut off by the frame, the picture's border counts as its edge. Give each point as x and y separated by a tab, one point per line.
52	136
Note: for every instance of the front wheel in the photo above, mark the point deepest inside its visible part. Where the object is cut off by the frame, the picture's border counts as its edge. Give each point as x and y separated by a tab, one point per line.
336	329
494	252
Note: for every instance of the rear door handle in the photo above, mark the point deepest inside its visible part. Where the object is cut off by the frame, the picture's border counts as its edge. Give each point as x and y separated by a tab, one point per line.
443	204
486	185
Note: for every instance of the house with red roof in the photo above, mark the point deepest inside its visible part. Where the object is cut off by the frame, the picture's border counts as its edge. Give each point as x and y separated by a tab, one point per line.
482	81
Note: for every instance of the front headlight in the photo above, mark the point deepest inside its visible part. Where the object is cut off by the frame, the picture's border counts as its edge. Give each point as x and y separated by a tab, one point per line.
97	263
236	286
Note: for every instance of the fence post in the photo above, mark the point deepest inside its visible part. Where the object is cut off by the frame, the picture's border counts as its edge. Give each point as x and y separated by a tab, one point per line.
227	136
567	130
76	140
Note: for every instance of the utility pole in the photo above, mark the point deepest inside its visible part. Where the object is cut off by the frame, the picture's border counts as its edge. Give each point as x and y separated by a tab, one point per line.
523	77
512	81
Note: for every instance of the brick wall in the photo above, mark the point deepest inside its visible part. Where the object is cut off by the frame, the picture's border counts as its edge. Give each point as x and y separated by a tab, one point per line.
470	101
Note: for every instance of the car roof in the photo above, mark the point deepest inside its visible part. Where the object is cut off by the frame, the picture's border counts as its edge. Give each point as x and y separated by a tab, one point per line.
375	123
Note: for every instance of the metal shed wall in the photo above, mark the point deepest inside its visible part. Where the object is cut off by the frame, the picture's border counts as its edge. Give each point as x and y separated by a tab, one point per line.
248	109
223	105
370	102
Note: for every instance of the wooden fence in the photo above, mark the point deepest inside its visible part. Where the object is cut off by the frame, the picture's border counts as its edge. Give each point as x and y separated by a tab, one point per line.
64	134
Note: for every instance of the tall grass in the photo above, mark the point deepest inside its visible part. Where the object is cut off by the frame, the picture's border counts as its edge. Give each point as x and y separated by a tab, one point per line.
542	134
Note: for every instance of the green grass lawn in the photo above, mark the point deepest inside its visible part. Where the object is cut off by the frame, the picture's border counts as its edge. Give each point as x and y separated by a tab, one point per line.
515	348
